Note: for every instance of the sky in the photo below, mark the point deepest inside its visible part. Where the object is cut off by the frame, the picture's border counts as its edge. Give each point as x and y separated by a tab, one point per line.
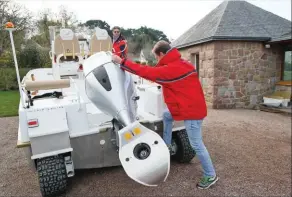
173	17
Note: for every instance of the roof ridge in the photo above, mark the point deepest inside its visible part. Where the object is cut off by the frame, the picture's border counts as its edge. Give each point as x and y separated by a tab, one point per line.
235	20
263	10
188	33
266	12
226	2
257	19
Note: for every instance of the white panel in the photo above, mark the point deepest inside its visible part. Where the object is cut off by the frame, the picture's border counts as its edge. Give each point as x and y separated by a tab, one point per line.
22	130
150	171
153	102
50	121
77	119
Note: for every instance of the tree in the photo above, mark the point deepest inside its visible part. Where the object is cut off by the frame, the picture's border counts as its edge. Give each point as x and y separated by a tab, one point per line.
48	18
69	18
20	17
143	38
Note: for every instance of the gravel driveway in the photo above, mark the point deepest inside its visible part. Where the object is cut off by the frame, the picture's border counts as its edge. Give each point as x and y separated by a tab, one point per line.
251	151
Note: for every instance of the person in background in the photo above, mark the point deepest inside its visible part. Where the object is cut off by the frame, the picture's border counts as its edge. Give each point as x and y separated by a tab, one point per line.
120	47
183	96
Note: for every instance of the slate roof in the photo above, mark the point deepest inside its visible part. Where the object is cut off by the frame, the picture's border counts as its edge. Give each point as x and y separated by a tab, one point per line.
235	20
287	36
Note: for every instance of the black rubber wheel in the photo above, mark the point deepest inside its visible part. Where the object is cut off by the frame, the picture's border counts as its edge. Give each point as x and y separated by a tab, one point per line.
184	153
52	175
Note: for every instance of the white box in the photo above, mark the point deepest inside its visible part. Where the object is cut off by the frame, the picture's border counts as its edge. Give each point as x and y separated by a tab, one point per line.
154	103
276	102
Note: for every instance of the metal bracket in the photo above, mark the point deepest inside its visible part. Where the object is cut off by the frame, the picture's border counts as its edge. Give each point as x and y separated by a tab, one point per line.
69	166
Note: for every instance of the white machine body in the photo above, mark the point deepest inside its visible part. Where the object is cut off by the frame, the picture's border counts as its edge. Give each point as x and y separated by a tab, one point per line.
110	88
88	112
142	152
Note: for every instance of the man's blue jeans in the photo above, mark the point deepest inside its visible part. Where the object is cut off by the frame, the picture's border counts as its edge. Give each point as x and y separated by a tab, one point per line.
193	128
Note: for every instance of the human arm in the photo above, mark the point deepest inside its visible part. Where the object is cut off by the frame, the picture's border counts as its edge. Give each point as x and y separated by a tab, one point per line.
148	72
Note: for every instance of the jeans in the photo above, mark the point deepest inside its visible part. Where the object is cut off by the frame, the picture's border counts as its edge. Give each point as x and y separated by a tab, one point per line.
193	128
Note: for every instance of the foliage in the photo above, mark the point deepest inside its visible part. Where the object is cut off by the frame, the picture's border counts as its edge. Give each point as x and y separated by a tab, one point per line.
8	78
6	60
48	18
22	19
143	38
32	39
149	63
34	56
43	36
139	39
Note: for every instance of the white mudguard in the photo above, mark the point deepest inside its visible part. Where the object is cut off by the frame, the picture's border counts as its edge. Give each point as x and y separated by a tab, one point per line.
143	154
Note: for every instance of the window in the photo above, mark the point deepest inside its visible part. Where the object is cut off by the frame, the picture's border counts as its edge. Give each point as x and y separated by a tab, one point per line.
195	61
287	70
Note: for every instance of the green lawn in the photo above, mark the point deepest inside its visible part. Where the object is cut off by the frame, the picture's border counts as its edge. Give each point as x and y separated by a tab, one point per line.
9	102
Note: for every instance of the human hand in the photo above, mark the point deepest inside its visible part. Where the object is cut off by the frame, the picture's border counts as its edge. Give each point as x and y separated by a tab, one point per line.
116	59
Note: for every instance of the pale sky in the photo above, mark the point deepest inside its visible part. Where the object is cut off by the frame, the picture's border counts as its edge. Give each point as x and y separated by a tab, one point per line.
173	17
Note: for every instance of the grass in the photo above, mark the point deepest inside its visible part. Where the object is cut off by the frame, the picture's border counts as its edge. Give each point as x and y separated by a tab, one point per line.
9	102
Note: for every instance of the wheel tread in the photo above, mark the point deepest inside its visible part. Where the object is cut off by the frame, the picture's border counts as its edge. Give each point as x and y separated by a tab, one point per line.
52	175
185	151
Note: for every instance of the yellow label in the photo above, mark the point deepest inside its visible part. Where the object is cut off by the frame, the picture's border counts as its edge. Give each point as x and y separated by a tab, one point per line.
128	136
137	131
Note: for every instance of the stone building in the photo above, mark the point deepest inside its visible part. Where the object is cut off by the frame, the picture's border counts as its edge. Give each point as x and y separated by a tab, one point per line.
239	51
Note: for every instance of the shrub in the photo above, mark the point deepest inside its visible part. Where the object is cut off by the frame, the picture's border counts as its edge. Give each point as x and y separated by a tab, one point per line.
9	79
6	60
34	56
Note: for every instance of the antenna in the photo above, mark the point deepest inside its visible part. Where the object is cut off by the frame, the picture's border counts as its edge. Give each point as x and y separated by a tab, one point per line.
10	28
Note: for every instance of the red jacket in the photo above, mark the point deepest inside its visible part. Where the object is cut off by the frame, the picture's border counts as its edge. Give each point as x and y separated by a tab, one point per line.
120	47
182	90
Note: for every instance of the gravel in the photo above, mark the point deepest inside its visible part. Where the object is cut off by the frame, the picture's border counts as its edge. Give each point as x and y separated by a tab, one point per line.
251	151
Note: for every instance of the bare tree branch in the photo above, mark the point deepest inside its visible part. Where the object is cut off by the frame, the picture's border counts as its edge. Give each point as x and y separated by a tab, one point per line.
19	16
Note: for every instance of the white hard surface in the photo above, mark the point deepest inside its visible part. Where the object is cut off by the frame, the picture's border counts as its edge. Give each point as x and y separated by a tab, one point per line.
101	34
66	34
50	121
158	160
97	59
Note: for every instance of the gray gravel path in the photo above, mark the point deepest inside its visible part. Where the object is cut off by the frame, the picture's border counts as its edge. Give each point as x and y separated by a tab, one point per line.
251	151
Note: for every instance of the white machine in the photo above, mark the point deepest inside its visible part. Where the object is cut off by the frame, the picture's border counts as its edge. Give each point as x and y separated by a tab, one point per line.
92	115
143	154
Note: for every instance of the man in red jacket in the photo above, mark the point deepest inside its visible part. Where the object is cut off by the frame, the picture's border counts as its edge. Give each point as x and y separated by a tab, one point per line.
120	47
183	96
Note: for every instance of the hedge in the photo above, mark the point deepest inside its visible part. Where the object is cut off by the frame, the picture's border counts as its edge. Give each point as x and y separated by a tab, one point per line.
31	56
8	78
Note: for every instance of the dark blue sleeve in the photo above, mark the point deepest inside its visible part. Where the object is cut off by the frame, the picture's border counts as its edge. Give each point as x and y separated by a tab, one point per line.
122	47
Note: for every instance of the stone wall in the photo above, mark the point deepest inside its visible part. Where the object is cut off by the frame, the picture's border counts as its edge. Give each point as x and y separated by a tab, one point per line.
244	72
236	74
206	66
